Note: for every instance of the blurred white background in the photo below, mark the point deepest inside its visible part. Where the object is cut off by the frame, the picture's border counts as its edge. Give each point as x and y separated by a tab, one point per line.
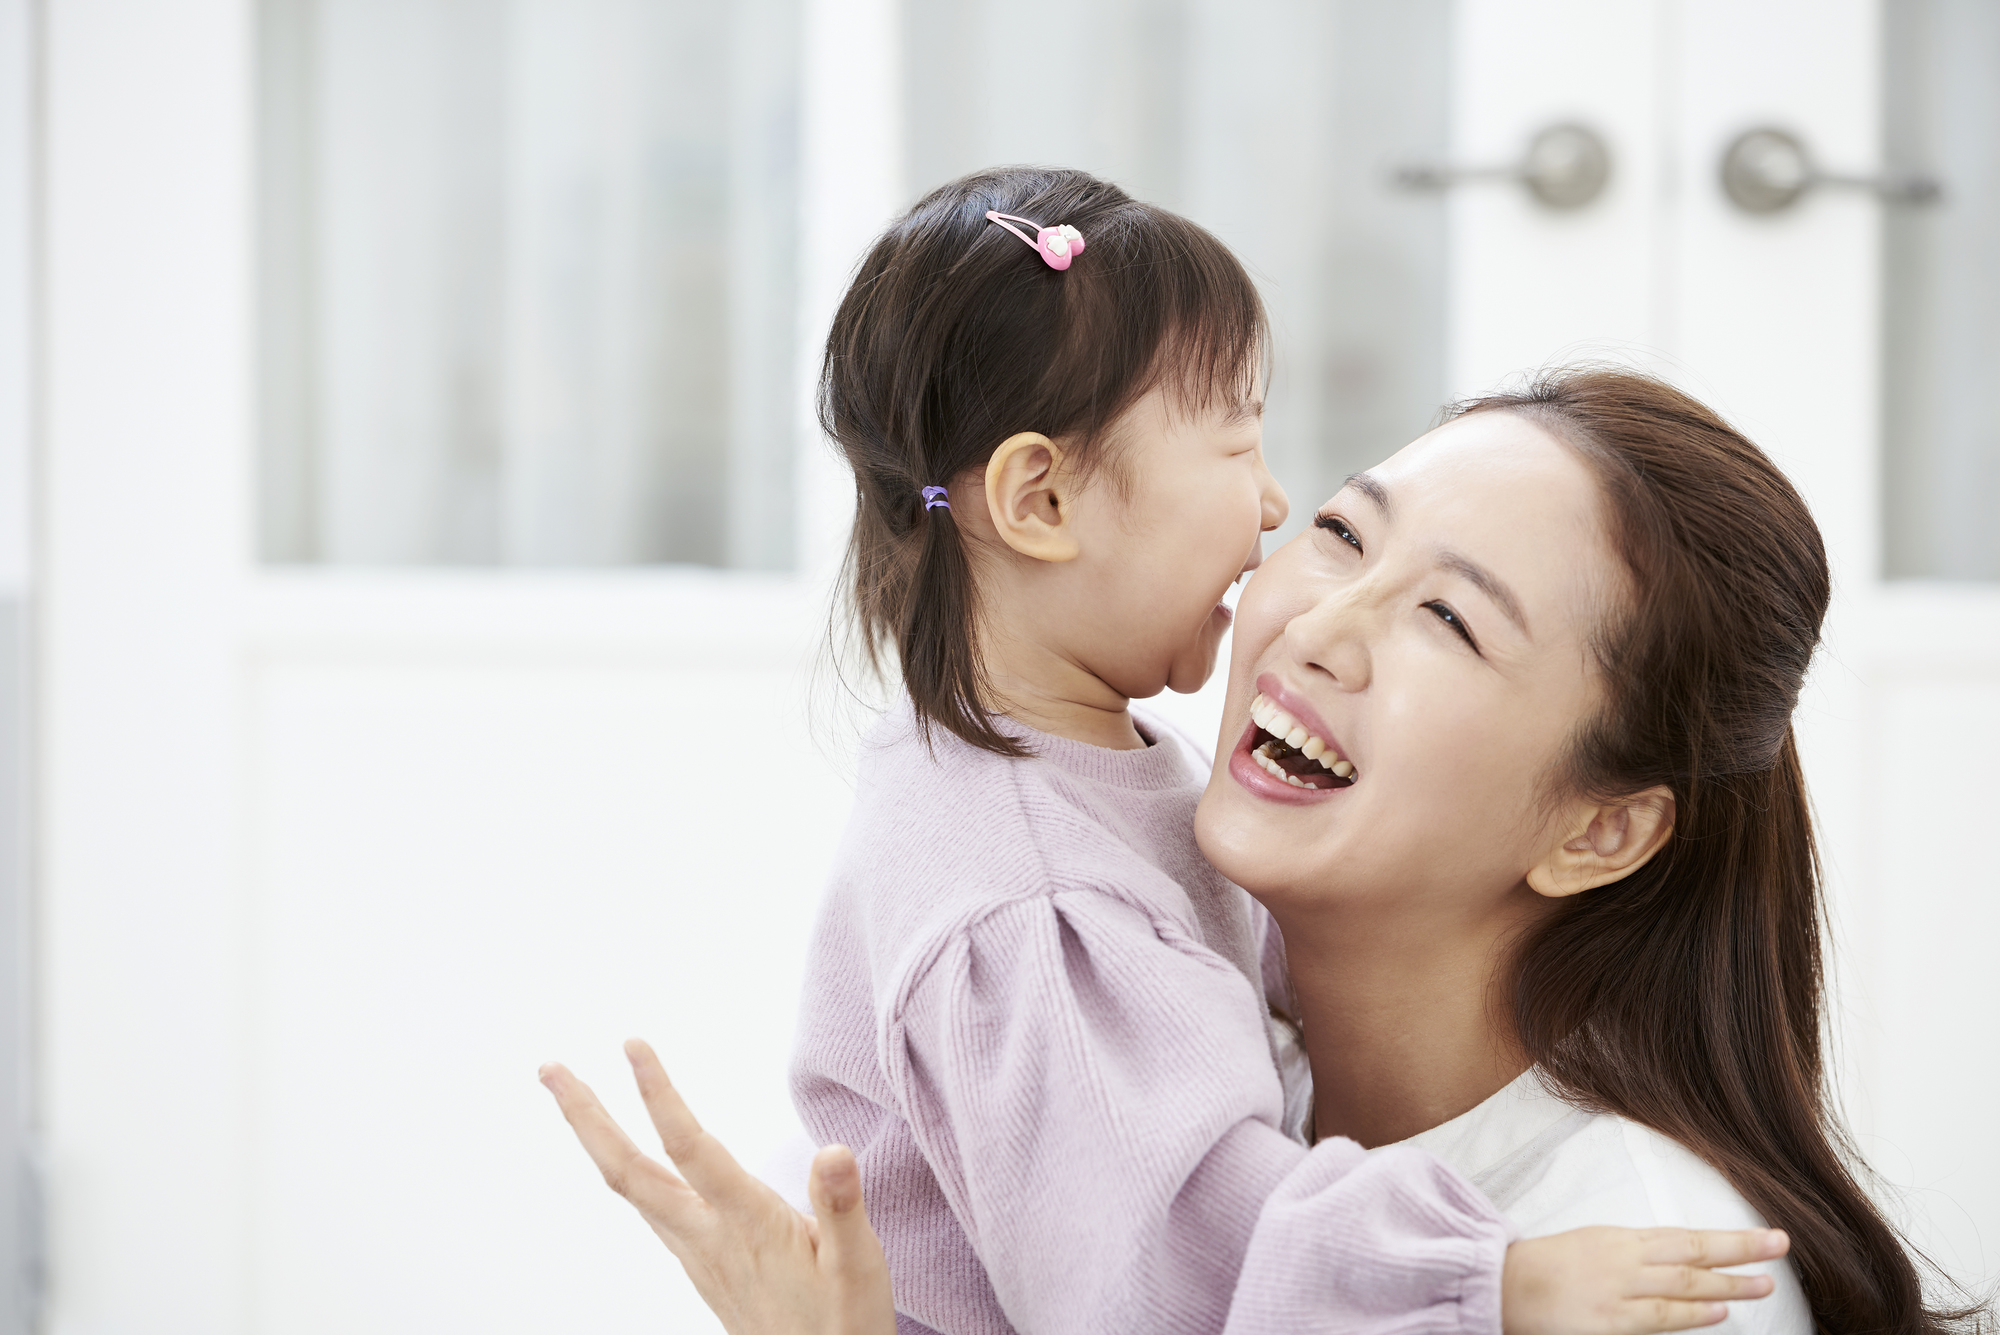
414	547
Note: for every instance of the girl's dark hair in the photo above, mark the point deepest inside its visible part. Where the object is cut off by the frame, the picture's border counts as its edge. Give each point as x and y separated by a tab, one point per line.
954	336
1688	996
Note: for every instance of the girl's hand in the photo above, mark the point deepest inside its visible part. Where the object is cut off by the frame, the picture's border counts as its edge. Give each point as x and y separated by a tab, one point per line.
762	1266
1621	1281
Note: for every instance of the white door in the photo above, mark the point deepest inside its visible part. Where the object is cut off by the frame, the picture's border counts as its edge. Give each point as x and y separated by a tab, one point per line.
1776	320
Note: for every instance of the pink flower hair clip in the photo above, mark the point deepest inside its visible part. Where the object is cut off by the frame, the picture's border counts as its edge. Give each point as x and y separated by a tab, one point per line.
1056	245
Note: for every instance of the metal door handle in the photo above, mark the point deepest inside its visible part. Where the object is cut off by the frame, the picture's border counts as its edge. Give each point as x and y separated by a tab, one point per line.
1566	167
1766	170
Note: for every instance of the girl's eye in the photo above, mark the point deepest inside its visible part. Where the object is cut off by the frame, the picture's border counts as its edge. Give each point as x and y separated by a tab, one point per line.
1444	613
1337	526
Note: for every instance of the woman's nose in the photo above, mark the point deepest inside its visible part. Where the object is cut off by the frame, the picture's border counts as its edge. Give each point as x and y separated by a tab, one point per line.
1336	636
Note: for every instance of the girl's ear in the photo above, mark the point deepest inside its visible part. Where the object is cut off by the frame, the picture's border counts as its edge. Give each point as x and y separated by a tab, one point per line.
1604	842
1027	493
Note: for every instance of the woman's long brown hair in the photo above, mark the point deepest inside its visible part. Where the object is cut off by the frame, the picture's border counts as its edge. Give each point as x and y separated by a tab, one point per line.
1689	996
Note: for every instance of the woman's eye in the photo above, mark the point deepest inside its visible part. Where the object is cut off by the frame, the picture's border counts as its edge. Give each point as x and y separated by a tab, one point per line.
1450	618
1337	526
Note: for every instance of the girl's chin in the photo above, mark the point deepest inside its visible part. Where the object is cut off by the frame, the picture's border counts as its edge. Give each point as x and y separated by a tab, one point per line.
1196	664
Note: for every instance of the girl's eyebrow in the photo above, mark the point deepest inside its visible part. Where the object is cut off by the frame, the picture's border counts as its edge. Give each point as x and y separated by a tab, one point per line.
1246	410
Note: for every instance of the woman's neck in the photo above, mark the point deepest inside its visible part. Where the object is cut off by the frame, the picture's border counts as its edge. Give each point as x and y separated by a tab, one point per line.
1407	1019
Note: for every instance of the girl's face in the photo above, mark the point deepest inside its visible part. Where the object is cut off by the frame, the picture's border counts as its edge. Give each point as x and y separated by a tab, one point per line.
1185	526
1424	648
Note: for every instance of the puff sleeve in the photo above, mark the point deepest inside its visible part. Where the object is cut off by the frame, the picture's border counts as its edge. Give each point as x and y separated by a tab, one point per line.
1094	1093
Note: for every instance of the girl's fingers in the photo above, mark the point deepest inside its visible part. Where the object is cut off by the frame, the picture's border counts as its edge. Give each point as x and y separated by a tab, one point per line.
1694	1283
708	1167
666	1201
1711	1247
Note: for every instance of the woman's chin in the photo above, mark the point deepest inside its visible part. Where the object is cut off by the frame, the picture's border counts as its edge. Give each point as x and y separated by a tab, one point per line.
1255	828
1236	849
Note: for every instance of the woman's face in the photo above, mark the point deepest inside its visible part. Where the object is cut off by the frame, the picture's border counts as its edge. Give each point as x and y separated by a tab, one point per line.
1430	630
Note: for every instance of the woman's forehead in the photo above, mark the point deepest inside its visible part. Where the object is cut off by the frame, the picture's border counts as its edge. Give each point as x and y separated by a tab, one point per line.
1476	454
1502	491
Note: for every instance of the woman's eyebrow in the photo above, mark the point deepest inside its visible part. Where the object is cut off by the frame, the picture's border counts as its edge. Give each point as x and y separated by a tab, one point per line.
1372	488
1487	583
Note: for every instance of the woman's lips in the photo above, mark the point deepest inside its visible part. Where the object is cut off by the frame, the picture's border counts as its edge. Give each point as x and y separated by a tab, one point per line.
1262	783
1270	685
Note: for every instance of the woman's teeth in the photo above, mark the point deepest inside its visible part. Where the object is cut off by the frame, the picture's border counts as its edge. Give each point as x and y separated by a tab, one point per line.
1293	754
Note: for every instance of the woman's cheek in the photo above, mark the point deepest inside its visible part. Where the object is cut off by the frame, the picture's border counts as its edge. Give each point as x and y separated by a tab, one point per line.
1273	596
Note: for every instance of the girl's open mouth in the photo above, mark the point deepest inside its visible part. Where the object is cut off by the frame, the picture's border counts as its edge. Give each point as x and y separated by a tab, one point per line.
1285	750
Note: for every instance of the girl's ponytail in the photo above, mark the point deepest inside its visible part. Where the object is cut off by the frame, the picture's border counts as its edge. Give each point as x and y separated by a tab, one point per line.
938	637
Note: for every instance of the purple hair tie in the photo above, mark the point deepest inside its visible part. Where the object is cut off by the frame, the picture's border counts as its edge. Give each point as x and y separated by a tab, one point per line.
936	496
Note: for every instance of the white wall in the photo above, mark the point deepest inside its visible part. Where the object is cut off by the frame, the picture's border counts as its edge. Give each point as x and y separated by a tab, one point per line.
494	822
16	175
147	389
18	1240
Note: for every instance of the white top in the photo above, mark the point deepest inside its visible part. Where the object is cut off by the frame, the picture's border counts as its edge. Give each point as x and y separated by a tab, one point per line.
1550	1167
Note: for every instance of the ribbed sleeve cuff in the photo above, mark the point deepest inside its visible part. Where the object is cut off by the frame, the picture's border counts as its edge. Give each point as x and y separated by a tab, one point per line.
1389	1243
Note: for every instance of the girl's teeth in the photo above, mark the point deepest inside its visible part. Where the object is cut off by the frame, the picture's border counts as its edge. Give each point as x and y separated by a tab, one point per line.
1296	737
1314	748
1341	768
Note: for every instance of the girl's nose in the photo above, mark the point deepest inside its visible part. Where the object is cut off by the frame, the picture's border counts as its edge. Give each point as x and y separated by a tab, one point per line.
1276	504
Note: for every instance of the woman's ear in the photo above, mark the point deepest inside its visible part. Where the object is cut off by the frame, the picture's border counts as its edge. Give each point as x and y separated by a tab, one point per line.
1027	492
1604	842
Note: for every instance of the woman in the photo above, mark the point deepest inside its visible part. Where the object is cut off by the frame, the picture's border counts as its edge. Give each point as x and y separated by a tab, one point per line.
1561	922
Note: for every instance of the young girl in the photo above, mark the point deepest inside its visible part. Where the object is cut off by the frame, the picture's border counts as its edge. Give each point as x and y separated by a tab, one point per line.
1042	1020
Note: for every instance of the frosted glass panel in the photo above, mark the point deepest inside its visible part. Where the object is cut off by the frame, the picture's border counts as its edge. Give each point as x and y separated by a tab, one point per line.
1275	124
1942	292
527	280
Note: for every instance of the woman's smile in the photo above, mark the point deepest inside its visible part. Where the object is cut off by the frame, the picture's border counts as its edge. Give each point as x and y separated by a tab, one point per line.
1288	753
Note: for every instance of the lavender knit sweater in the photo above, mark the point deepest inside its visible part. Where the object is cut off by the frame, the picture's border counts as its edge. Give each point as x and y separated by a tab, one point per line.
1039	1018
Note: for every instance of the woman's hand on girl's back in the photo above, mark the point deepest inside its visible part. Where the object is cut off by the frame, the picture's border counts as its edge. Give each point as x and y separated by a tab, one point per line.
763	1267
1621	1281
